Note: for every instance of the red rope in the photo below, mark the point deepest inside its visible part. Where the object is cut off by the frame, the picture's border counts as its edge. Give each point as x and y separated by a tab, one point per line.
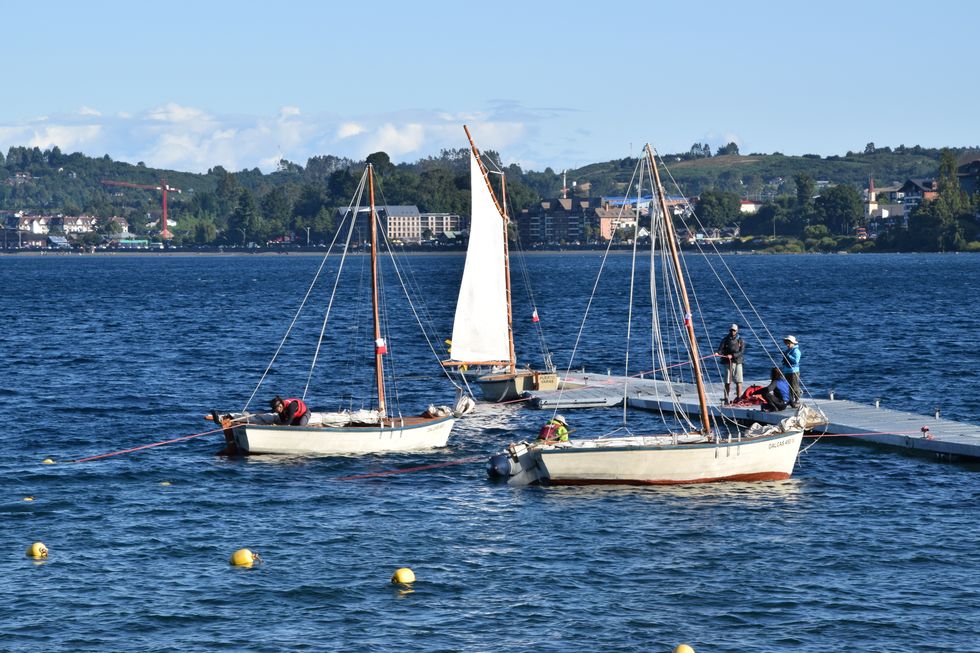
146	446
841	435
392	472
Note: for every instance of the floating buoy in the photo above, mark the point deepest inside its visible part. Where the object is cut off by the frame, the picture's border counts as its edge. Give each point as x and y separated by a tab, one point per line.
244	558
47	461
403	576
37	551
28	498
683	648
165	483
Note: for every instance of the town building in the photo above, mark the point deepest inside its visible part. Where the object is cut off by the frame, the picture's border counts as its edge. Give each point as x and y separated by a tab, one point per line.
406	224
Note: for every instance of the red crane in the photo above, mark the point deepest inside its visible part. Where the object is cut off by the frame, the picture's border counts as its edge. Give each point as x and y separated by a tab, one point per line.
163	186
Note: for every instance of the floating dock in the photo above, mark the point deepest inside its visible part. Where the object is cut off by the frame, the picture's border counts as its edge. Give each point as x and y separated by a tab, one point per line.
884	426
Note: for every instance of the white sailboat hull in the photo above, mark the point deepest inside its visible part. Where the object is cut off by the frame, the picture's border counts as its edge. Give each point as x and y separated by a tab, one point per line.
413	434
634	461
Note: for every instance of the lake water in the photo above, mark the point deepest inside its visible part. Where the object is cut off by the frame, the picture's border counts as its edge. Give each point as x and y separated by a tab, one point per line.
862	549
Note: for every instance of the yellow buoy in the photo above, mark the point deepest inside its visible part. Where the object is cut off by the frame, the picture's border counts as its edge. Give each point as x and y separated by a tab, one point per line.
403	576
37	551
47	461
165	483
28	498
244	558
683	648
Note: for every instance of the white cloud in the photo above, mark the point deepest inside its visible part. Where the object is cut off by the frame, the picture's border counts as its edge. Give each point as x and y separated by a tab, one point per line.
190	138
88	111
349	129
173	112
69	138
397	140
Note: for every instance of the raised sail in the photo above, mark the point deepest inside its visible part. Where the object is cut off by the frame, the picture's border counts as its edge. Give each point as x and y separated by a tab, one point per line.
480	333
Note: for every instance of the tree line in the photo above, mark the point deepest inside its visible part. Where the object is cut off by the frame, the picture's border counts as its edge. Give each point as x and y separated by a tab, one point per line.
301	201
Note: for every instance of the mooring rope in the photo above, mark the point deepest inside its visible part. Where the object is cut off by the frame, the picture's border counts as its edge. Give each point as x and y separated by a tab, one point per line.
146	446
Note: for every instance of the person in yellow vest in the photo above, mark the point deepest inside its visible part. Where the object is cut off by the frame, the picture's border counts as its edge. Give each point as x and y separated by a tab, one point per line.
555	430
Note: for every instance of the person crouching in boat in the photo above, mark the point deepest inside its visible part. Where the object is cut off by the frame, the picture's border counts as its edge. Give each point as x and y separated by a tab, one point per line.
291	412
555	430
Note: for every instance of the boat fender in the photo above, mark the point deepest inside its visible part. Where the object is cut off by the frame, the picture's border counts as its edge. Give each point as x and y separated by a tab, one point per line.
463	406
500	466
437	411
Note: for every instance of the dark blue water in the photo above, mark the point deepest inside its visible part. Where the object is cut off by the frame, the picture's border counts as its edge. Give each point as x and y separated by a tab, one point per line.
862	549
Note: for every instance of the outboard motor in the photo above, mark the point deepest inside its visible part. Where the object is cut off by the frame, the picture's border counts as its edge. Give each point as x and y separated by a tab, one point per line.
499	467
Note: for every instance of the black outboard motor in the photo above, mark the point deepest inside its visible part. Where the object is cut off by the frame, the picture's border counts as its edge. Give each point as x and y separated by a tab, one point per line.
499	467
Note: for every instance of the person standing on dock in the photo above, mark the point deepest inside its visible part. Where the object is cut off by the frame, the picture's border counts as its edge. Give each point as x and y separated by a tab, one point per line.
732	352
791	369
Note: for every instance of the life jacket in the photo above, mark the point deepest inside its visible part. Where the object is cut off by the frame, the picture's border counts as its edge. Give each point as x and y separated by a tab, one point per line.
300	408
752	395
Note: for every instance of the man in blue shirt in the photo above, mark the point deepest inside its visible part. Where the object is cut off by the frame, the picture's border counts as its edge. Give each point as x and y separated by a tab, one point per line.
791	369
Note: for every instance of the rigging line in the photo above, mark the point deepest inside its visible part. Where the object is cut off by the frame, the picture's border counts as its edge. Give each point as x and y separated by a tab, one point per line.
411	304
738	285
673	294
146	446
299	310
588	307
412	280
336	283
658	228
629	314
383	293
529	290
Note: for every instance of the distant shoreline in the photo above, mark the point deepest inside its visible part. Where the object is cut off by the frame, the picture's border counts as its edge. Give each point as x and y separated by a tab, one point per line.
414	252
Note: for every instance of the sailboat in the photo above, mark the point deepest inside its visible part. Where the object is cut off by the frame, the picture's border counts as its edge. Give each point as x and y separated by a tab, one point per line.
483	331
345	432
696	454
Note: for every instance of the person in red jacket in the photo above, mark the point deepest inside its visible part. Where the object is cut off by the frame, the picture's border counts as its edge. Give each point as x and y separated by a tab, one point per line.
291	411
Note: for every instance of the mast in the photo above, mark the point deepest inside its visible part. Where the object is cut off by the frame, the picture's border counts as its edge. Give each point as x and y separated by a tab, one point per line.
378	369
505	220
688	319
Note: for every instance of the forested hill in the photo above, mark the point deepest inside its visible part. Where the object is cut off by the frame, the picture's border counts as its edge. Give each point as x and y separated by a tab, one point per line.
295	196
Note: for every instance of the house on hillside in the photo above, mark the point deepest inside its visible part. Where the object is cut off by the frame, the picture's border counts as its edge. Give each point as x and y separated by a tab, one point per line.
916	191
76	224
969	176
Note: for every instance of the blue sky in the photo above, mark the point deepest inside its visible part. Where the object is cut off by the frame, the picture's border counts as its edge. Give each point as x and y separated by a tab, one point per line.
188	86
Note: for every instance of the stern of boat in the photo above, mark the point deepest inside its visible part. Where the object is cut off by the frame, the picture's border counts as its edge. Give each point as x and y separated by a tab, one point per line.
518	465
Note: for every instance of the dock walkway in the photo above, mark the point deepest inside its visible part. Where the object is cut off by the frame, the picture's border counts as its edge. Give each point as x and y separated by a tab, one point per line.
883	426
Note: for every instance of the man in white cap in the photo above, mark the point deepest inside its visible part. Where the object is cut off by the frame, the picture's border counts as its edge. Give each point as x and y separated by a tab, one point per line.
791	369
732	351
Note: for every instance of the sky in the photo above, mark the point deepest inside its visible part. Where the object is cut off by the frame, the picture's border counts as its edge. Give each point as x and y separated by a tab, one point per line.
191	85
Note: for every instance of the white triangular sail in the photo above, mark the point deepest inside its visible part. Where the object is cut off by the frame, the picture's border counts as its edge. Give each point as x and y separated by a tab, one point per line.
480	328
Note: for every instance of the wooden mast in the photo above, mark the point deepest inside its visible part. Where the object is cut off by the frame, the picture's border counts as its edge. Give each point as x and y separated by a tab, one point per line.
688	319
378	369
505	220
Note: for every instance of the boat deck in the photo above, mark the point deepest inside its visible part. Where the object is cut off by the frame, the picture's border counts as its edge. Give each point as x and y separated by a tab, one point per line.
883	426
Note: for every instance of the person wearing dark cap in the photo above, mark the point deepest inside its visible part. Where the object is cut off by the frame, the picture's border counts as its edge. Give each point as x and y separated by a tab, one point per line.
776	395
732	351
291	412
791	368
